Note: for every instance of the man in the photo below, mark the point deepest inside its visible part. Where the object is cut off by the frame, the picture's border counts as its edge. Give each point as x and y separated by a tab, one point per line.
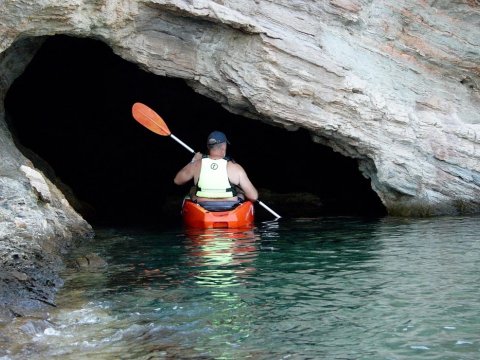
215	176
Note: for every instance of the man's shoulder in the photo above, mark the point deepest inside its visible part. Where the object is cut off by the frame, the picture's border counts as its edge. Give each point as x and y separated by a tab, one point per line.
229	159
235	167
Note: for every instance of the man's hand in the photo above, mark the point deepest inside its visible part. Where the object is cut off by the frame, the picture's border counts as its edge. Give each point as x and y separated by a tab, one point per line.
197	156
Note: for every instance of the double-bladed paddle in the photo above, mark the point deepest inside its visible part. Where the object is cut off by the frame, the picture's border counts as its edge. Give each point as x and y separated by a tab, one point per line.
154	122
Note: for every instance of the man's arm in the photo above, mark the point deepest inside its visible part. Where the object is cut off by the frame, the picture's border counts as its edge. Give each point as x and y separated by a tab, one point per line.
184	175
246	185
187	173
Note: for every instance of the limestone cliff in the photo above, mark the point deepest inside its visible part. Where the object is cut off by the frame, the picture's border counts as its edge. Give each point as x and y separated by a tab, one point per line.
394	85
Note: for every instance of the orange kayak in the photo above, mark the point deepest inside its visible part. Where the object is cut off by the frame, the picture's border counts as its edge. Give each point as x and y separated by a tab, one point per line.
221	214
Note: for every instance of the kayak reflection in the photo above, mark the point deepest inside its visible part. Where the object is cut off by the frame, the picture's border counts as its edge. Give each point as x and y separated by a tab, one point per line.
221	257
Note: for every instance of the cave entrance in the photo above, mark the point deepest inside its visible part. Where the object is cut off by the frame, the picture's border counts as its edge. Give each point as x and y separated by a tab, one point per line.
71	109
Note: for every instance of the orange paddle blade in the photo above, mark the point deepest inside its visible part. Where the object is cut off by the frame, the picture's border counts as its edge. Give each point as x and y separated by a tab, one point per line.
150	119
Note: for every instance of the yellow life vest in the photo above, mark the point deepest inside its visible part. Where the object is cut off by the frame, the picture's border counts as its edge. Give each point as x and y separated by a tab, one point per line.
213	180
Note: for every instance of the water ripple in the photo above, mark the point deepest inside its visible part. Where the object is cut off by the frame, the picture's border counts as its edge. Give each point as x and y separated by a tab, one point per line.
335	288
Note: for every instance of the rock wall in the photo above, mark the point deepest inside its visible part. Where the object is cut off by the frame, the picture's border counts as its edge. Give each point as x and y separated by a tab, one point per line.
394	85
37	224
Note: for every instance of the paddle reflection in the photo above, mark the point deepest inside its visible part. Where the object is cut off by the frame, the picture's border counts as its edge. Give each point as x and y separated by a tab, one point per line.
222	257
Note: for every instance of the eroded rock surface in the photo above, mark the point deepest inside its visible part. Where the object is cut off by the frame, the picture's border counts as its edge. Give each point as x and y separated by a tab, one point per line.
394	85
37	224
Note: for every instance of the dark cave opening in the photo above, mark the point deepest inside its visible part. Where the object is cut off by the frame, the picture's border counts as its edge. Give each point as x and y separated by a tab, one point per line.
72	108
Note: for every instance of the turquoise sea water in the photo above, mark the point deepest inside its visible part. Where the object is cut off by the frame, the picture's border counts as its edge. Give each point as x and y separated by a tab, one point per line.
326	288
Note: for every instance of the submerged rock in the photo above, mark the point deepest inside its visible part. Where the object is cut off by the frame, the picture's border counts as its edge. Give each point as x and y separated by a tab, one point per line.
90	261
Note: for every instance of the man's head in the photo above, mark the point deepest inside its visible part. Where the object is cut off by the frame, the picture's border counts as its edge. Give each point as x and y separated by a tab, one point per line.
216	137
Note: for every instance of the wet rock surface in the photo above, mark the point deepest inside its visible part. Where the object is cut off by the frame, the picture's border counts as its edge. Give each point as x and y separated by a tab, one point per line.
37	227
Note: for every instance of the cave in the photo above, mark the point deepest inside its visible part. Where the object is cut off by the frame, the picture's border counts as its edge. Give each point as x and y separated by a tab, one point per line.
70	113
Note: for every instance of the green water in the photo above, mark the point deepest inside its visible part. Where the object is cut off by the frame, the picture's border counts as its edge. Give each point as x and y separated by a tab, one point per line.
328	288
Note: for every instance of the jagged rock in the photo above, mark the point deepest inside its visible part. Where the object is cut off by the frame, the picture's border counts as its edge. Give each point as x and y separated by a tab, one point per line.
37	181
